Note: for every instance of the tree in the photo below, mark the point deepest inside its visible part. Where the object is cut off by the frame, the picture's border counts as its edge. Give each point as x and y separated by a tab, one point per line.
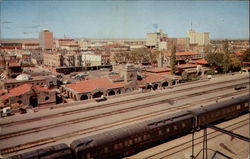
184	76
214	59
226	58
246	55
173	60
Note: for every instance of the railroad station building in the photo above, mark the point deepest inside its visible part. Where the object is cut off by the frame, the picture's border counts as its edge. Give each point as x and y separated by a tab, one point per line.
29	95
126	79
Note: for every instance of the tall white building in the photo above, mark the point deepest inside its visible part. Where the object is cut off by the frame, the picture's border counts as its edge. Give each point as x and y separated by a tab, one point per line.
200	38
153	39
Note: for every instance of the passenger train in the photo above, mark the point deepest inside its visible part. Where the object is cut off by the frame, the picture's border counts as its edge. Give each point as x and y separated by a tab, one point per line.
131	139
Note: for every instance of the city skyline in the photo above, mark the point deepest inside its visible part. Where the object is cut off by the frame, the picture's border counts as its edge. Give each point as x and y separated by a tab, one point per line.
123	19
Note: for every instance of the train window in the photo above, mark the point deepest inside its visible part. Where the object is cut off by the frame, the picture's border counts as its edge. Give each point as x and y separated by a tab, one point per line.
175	127
144	137
139	139
106	149
183	125
120	145
238	107
126	143
135	140
246	104
116	146
160	132
130	141
167	130
88	155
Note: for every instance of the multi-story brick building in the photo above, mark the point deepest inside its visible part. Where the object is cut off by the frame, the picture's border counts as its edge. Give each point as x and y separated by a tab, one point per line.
46	40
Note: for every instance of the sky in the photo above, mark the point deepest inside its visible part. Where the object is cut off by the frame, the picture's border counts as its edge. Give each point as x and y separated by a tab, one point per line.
123	19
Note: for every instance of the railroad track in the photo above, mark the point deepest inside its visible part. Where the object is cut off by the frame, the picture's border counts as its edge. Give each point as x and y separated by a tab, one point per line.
120	102
124	110
186	145
108	125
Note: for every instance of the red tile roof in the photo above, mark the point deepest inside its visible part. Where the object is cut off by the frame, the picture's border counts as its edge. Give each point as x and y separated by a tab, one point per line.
22	90
184	53
89	85
151	77
200	61
2	91
158	69
14	64
183	66
114	76
238	53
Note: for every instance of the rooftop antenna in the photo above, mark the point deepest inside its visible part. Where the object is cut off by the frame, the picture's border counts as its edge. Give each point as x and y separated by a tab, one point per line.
155	27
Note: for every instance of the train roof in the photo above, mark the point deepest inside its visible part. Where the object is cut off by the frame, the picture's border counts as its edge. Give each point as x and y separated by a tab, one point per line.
124	132
219	105
42	151
168	119
109	136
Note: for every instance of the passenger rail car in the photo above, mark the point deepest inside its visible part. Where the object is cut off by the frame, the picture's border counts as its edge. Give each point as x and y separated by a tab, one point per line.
220	111
61	151
127	140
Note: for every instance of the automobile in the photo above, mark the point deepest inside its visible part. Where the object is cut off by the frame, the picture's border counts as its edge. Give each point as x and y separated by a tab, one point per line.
66	82
102	98
240	87
113	73
7	111
209	76
22	110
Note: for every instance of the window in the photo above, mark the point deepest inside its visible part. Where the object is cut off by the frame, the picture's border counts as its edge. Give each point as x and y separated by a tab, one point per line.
106	149
47	98
130	141
175	127
183	125
139	139
167	130
126	143
160	132
19	102
120	145
246	104
88	155
116	146
238	107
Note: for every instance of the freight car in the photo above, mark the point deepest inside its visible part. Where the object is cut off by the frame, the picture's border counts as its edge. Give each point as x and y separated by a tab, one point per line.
130	139
61	151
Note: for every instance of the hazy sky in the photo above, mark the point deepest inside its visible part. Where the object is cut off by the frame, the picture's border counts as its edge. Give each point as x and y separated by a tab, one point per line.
123	19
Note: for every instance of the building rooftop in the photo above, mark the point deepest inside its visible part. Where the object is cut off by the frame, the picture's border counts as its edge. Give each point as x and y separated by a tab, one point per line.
92	84
184	66
158	69
23	89
199	61
184	53
152	77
